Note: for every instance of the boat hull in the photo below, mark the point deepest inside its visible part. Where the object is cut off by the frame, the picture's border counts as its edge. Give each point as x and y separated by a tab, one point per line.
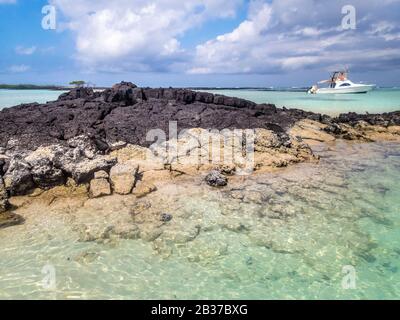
347	90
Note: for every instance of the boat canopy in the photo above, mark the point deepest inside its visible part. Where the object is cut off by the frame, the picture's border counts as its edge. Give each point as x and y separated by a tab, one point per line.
337	76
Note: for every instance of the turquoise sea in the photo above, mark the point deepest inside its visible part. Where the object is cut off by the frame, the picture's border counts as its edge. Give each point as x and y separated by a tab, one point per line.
327	231
9	98
377	101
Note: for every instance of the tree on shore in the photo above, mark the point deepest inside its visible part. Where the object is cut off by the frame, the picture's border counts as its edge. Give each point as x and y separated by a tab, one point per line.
78	83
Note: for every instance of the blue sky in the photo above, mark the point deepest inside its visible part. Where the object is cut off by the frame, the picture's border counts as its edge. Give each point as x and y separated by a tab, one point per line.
199	42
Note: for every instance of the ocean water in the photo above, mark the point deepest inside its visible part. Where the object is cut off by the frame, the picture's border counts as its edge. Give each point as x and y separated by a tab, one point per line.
312	231
377	101
9	98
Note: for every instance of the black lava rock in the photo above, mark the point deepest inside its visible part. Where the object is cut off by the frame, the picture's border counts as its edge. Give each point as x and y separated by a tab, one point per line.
216	179
166	217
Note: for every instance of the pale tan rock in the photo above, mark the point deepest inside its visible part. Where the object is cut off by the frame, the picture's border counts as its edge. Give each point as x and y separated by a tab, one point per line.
130	152
143	189
99	187
123	177
311	131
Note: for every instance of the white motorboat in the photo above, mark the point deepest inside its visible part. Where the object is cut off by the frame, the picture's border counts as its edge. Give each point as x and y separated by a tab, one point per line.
340	84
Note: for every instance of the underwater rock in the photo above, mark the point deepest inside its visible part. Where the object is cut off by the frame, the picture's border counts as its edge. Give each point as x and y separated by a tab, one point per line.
166	217
86	257
142	189
216	179
149	233
8	219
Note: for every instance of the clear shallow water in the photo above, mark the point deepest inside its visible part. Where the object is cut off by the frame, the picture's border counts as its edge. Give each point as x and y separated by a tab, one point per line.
272	236
377	101
380	100
9	98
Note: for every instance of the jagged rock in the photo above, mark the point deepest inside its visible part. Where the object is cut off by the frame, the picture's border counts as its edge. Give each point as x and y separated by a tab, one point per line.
84	145
3	161
83	171
4	205
83	125
271	139
127	113
117	145
18	178
77	93
41	162
334	128
122	92
123	177
216	179
99	187
45	176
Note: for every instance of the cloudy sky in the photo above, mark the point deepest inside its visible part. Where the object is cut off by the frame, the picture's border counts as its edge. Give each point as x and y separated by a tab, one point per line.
199	42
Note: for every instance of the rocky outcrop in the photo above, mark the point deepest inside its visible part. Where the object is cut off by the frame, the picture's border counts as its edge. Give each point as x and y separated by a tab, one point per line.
126	113
86	135
50	166
384	119
316	132
77	93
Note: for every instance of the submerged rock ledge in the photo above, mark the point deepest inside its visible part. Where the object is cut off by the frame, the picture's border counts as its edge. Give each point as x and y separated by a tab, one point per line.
100	139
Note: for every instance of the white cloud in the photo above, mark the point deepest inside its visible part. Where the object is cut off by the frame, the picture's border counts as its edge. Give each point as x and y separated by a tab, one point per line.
290	35
136	35
19	68
26	51
277	35
8	1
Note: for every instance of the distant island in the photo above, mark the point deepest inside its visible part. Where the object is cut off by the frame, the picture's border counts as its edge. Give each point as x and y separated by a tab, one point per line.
72	85
40	87
31	87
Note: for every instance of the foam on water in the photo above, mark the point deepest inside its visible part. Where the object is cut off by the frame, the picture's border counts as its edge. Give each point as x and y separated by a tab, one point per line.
280	235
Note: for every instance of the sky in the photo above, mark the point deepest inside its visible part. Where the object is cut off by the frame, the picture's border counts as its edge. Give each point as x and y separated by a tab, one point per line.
215	43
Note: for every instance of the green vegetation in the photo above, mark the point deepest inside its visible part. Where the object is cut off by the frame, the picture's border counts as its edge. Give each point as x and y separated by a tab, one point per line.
77	83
